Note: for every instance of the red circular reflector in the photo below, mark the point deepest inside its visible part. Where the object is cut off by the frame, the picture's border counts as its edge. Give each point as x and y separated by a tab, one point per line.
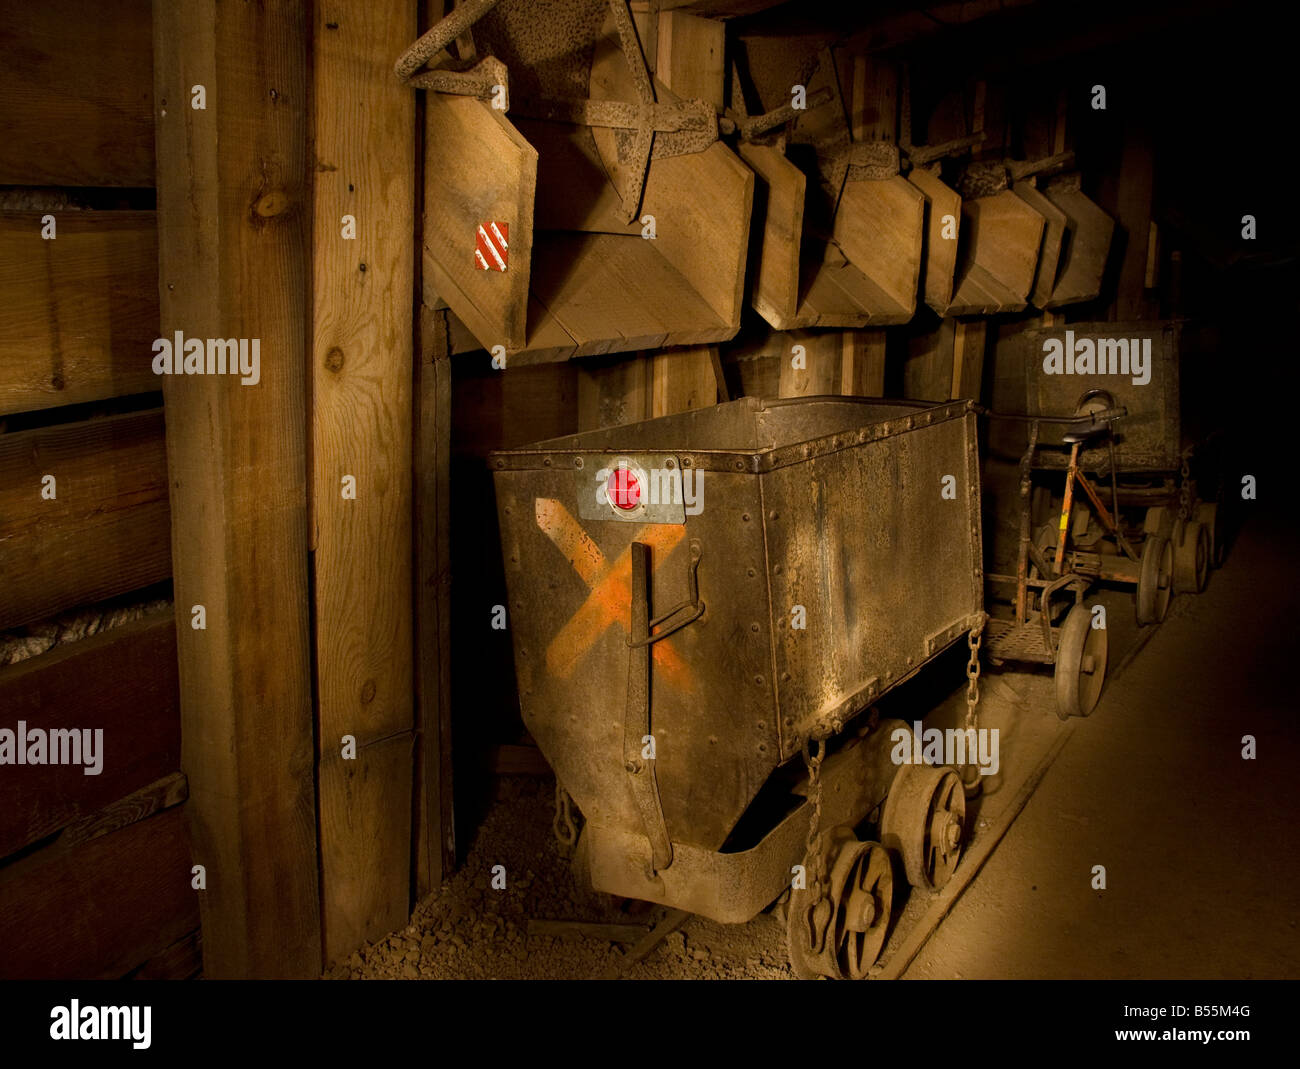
623	489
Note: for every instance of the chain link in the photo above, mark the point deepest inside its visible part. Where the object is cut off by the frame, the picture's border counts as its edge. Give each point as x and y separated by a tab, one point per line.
812	853
1184	493
566	832
974	640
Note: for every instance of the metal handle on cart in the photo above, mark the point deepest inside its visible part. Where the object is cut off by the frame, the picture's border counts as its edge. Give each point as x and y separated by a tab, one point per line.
636	721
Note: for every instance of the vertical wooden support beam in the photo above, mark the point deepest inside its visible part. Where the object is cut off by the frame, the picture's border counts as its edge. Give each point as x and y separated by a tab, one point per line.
613	394
947	363
682	379
874	108
1134	203
232	212
845	362
968	359
862	363
435	834
361	378
648	385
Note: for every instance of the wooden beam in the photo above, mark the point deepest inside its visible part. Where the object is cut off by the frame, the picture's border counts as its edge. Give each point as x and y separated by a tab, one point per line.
682	379
97	909
968	341
233	230
1136	186
689	59
122	682
862	363
79	311
361	373
435	831
820	373
611	394
104	531
77	94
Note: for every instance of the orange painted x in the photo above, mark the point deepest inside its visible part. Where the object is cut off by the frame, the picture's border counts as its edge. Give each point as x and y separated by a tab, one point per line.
610	600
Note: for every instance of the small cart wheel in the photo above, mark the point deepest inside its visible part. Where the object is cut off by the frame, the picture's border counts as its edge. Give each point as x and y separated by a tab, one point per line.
1192	559
841	935
924	820
1156	580
1210	516
1080	664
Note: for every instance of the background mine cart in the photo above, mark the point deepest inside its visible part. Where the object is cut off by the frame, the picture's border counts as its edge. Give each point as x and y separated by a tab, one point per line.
1159	472
677	654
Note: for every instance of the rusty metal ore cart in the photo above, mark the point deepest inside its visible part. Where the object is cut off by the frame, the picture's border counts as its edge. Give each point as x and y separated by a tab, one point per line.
1164	458
701	607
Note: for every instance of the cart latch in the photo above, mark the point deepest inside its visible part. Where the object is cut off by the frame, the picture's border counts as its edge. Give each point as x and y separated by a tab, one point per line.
638	739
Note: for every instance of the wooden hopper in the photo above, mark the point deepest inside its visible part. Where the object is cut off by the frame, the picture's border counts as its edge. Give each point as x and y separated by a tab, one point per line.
581	279
1076	243
866	274
992	264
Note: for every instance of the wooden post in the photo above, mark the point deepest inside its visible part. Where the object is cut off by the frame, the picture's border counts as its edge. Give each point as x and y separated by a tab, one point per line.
233	217
1134	202
435	833
862	363
361	375
967	359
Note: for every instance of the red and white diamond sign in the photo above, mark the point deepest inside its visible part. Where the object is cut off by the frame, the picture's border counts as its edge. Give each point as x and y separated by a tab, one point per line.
491	252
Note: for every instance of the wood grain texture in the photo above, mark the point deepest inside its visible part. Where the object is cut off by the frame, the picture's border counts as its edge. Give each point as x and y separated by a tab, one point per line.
1054	235
152	798
98	909
361	372
682	379
880	228
779	201
106	531
79	312
1083	263
435	830
77	94
478	167
999	255
940	264
362	862
702	204
233	210
690	56
862	363
122	681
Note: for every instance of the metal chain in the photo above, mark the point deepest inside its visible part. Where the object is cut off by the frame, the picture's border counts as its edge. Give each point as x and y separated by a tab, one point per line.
566	832
973	640
1184	493
812	852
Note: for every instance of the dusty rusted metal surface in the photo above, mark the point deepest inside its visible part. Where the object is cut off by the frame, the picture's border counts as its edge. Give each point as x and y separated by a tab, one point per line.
734	886
833	514
1151	437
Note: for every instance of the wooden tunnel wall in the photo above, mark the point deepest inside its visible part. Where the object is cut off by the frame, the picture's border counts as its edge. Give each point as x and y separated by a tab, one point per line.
94	869
218	211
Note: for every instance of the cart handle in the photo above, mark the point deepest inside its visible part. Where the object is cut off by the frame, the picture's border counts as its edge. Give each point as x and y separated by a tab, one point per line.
1108	415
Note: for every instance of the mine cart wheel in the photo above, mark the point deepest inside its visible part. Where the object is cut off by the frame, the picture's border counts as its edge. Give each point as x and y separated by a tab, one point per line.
1156	580
841	936
1208	514
1192	559
1157	520
924	820
1080	664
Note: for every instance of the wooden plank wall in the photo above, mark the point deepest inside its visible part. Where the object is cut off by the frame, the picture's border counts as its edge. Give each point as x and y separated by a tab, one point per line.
233	205
361	374
94	869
